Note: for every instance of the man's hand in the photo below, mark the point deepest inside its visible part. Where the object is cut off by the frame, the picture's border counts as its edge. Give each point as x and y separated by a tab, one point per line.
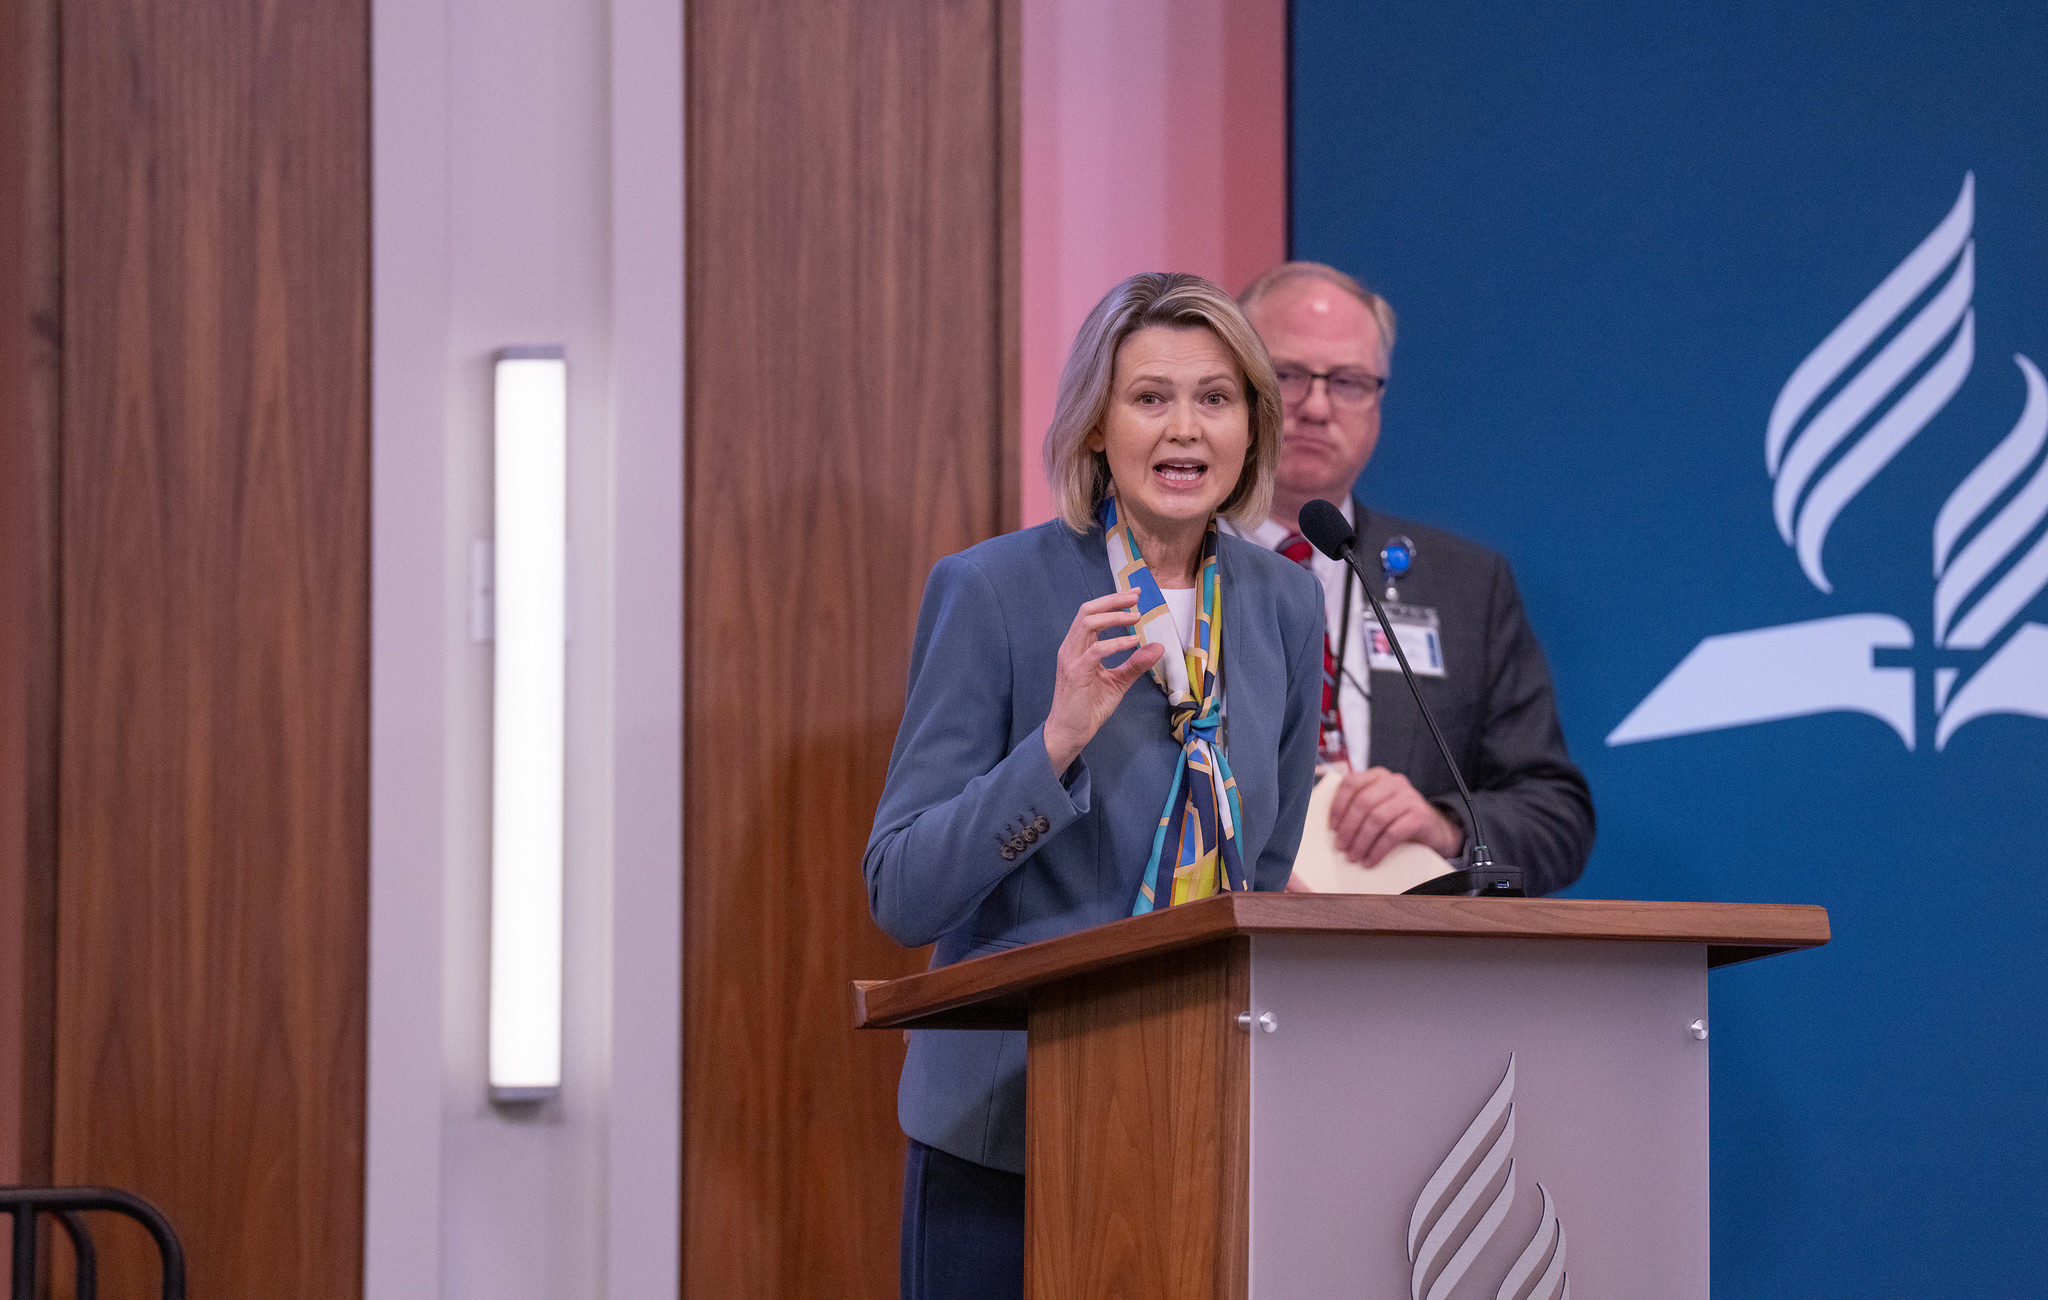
1377	810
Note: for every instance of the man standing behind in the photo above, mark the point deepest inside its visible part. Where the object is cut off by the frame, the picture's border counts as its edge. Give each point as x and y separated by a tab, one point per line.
1483	674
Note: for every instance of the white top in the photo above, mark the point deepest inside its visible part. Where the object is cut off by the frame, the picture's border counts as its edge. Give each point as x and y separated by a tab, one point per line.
1180	602
1354	701
1182	605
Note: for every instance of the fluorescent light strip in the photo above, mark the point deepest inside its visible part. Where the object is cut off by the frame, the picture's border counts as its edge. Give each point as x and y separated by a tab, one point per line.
528	711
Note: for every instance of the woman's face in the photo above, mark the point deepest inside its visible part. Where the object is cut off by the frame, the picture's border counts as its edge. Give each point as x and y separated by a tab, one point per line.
1177	427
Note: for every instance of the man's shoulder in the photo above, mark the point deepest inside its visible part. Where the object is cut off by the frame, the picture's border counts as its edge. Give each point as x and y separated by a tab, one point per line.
1443	550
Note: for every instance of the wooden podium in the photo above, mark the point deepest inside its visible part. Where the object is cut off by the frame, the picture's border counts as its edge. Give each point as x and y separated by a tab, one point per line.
1287	1095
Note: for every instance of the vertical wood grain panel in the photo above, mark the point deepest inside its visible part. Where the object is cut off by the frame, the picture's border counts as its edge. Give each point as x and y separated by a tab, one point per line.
847	370
1012	472
212	815
30	288
1140	1113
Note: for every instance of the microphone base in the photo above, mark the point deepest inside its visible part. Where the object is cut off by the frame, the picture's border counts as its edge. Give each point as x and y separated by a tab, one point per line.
1486	882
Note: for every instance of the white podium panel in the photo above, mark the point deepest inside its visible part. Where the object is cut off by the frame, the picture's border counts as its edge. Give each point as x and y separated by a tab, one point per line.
1477	1119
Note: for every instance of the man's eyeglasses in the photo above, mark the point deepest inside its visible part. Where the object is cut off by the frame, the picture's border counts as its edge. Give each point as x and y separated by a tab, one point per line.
1346	387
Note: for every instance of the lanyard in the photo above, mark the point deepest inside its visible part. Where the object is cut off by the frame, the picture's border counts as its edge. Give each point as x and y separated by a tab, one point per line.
1344	631
1344	646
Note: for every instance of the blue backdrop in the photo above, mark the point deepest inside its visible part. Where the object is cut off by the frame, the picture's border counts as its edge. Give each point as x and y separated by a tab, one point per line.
1613	233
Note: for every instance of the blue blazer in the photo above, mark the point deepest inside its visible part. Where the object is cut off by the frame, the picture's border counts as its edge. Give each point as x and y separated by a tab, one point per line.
970	771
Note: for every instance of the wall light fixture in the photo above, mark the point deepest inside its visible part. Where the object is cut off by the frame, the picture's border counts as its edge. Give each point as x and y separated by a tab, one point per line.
529	585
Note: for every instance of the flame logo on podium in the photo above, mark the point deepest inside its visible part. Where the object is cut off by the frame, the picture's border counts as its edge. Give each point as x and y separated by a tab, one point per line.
1463	1205
1849	408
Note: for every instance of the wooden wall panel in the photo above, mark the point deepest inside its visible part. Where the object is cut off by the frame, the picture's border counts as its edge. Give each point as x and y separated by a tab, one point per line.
212	800
30	314
848	364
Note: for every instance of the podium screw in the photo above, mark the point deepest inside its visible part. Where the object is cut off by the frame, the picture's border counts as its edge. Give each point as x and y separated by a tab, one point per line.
1699	1029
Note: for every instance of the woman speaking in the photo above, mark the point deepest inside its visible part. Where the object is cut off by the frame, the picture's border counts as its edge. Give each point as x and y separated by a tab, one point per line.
1109	713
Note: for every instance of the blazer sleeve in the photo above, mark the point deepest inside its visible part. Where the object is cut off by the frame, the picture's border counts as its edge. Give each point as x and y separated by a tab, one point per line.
1534	801
958	794
1302	651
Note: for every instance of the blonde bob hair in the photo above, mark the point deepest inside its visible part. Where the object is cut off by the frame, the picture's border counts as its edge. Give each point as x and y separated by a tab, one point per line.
1080	477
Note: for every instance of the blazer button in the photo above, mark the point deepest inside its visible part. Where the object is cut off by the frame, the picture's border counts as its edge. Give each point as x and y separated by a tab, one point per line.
1031	835
1009	854
1043	825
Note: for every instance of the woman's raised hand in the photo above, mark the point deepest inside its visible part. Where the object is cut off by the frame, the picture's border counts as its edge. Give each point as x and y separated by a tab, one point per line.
1084	693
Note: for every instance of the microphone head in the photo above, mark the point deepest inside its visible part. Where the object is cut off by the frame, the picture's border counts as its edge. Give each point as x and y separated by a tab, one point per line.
1326	528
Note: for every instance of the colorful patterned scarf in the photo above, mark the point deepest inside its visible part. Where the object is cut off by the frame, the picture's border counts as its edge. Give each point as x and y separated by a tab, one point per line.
1202	816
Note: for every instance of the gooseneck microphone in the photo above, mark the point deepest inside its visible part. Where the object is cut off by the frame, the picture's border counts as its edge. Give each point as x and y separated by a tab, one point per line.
1326	528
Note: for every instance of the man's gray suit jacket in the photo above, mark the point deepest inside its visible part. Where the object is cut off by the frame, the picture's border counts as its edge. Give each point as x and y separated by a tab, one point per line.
970	775
1494	703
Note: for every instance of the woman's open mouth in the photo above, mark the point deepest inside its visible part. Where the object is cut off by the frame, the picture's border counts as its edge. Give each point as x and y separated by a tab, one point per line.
1181	473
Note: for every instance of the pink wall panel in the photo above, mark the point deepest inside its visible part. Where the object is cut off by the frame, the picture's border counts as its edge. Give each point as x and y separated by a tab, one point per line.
1154	139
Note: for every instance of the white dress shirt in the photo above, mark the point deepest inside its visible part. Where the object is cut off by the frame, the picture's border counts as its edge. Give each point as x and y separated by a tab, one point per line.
1354	700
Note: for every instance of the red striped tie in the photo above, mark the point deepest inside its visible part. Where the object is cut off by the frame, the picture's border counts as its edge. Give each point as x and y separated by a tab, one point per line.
1330	748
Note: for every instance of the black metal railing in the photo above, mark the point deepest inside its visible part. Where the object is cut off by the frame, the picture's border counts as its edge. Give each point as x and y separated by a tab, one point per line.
68	1206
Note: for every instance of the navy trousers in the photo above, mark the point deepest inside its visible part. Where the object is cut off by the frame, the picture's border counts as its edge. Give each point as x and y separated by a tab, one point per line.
963	1229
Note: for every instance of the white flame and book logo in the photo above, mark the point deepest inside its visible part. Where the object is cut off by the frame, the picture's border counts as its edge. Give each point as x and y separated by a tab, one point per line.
1870	387
1464	1203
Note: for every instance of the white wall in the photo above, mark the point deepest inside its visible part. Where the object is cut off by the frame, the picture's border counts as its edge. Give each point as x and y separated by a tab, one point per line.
527	170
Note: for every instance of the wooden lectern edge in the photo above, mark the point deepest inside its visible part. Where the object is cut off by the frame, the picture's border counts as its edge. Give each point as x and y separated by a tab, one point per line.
992	991
1002	1013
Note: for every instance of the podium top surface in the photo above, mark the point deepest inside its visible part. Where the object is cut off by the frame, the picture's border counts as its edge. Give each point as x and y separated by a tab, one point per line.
992	991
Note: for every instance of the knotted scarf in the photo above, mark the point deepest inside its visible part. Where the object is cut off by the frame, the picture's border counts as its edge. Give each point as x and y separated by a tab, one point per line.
1198	828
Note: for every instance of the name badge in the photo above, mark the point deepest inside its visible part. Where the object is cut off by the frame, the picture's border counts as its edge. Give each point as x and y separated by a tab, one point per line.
1421	640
